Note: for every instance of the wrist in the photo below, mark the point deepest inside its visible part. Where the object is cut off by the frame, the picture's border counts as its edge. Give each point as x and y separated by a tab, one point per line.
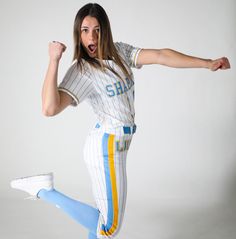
53	61
208	63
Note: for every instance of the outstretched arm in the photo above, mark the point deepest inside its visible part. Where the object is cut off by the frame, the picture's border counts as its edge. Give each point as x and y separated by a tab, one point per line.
171	58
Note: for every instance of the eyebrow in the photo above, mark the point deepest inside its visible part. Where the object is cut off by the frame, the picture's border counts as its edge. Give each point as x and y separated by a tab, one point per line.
88	27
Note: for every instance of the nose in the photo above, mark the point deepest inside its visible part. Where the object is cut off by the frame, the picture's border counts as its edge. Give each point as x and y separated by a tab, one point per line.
92	35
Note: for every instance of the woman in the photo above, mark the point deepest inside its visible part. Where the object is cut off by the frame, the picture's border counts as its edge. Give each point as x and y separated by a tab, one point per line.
101	74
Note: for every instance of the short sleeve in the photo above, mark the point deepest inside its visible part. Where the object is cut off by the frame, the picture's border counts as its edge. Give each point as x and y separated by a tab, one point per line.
76	84
129	53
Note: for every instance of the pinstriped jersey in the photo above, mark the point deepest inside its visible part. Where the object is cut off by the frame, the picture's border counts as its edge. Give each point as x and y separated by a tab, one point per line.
111	98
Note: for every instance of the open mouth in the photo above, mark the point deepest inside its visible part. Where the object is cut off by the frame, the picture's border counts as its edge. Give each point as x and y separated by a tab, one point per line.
92	48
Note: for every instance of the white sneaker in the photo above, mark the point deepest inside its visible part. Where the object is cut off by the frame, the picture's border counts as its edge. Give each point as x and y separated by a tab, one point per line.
33	184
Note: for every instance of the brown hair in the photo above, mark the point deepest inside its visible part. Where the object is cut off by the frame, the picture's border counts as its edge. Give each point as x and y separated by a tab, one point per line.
106	47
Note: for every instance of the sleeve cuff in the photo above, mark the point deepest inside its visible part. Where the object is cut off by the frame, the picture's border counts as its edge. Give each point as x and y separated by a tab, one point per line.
75	101
135	58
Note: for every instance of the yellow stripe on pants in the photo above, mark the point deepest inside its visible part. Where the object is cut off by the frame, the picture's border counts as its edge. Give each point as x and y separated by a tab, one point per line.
111	160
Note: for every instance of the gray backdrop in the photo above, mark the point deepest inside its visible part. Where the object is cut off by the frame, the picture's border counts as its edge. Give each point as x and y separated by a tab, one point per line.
182	161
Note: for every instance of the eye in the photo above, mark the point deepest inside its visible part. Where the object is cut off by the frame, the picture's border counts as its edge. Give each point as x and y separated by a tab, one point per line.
97	30
84	30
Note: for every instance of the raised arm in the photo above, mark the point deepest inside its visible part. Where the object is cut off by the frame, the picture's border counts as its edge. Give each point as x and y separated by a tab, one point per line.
54	101
171	58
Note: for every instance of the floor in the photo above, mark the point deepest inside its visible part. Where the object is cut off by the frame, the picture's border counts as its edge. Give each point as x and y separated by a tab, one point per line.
24	219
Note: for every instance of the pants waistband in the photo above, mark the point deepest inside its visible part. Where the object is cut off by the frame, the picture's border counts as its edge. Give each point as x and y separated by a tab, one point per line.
126	129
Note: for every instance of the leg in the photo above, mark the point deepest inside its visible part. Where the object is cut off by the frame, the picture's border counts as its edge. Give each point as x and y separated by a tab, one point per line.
41	186
107	168
81	212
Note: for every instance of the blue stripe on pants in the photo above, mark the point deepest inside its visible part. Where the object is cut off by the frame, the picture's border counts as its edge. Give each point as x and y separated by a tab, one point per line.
108	183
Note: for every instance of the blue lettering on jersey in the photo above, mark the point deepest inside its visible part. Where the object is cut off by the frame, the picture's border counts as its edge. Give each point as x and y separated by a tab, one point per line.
110	91
119	87
125	88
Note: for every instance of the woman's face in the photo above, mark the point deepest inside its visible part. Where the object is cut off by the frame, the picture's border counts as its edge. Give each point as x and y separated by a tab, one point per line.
89	35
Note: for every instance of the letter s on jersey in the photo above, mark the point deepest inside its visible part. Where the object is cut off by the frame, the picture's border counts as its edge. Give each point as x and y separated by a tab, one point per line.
110	91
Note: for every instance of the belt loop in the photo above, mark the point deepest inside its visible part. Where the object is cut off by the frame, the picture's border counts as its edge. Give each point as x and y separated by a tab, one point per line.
129	130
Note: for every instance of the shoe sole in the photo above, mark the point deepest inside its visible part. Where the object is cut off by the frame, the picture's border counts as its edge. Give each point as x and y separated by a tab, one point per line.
32	179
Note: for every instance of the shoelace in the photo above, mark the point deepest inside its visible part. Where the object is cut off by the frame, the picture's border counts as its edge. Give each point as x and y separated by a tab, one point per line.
31	198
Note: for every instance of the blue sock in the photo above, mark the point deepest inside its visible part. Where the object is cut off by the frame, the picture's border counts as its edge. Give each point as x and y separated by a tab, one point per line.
81	212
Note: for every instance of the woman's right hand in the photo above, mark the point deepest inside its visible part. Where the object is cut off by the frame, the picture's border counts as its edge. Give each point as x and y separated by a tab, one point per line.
55	50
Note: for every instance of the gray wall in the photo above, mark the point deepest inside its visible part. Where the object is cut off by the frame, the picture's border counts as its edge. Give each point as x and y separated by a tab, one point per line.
184	150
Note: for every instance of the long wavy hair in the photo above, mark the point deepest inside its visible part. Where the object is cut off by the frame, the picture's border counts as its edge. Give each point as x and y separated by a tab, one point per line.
106	47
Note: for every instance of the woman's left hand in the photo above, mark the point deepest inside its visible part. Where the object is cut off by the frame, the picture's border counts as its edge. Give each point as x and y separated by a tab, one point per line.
221	63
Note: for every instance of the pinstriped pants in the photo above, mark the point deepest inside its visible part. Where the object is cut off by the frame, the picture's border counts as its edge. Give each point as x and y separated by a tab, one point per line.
105	156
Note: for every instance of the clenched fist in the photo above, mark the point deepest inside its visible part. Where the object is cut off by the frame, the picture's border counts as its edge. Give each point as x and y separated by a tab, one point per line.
221	63
55	50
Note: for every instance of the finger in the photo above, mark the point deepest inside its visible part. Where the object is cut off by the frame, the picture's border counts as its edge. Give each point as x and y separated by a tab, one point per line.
64	47
57	43
216	66
225	63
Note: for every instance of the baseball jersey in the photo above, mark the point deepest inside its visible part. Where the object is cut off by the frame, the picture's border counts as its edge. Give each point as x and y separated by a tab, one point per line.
111	98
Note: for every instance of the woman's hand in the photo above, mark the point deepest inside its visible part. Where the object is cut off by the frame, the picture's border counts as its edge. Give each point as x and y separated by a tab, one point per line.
221	63
55	50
